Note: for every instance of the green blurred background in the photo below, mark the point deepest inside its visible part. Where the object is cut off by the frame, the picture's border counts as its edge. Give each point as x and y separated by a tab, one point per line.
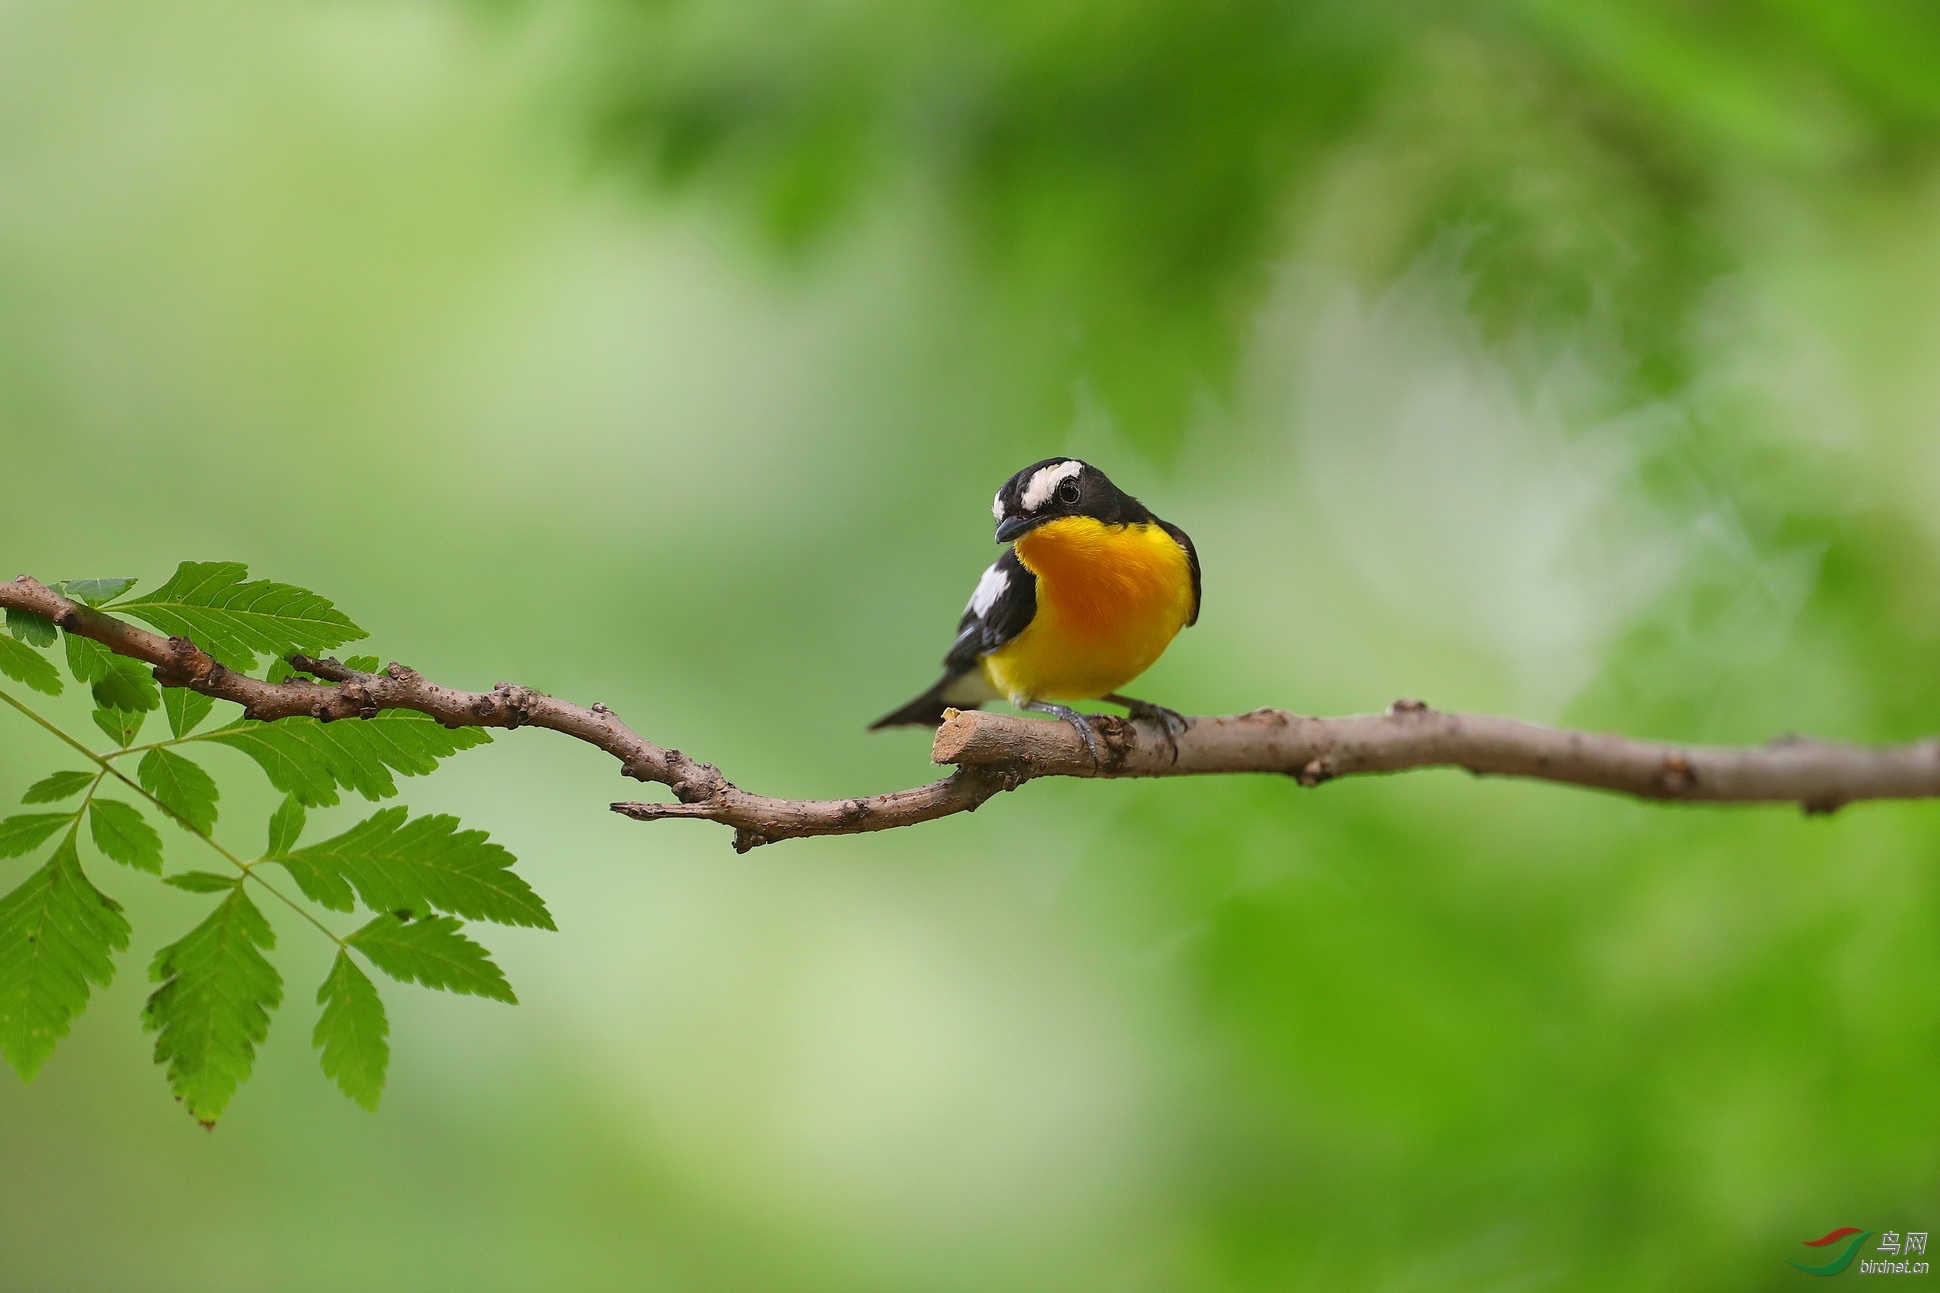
1573	361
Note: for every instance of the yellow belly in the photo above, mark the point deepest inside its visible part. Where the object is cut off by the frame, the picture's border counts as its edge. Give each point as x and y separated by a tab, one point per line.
1110	599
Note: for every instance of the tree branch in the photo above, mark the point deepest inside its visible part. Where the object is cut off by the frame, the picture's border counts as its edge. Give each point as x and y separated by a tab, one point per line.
1820	776
995	752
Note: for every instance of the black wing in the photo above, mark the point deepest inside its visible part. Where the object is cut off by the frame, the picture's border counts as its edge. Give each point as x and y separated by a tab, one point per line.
1004	603
1192	558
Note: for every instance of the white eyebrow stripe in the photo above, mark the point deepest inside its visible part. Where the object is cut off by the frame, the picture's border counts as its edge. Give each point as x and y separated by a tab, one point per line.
997	505
1046	479
989	589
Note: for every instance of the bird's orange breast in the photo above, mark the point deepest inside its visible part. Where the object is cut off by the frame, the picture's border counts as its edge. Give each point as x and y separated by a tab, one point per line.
1110	599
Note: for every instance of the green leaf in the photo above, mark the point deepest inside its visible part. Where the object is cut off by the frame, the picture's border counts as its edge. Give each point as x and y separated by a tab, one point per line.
202	881
22	834
95	591
351	1032
56	786
414	866
234	621
58	936
363	663
24	664
212	1009
182	787
122	833
118	682
285	826
185	709
29	627
311	760
432	952
119	725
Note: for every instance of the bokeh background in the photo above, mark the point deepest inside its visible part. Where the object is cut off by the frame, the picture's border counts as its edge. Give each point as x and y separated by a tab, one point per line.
1573	361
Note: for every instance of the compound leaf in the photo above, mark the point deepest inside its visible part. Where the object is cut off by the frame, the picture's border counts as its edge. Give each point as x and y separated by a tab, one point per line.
321	882
24	664
212	1009
351	1032
24	832
29	627
433	952
202	881
94	591
56	786
119	725
117	681
397	864
235	621
58	936
285	826
363	663
185	709
182	787
122	833
312	760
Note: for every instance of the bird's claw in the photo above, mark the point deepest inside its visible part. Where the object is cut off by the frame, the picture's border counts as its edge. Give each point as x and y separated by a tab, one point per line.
1079	723
1171	723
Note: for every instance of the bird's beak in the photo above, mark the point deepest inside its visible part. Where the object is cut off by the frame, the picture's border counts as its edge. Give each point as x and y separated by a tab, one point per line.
1012	526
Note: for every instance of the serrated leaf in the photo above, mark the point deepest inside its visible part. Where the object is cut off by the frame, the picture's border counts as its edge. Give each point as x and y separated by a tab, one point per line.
236	621
25	832
31	628
117	681
119	725
397	864
351	1032
182	787
24	664
432	952
311	760
212	1009
185	709
56	786
285	826
58	937
202	881
364	663
121	832
95	591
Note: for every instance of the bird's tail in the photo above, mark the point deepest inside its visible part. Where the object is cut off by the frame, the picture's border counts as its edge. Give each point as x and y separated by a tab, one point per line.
925	711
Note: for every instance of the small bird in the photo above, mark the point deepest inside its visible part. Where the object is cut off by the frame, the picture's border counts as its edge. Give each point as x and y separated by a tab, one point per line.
1092	592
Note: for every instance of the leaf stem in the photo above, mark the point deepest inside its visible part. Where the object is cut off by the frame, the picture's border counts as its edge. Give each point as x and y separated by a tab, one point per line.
88	798
152	745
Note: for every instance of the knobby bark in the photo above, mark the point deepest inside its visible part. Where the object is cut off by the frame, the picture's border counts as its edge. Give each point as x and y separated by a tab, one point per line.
994	752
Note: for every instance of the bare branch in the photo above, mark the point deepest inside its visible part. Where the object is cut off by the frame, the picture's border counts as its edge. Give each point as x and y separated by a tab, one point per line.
1818	775
995	752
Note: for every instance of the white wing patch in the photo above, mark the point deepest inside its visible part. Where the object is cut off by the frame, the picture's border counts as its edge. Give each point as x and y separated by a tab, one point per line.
1047	479
989	589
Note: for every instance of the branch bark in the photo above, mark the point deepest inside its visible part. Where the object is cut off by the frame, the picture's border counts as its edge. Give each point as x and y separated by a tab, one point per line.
993	752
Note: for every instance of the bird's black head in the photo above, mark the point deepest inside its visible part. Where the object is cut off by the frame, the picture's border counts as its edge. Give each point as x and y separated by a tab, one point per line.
1059	487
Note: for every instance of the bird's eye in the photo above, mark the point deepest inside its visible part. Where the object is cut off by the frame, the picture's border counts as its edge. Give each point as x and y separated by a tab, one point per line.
1067	491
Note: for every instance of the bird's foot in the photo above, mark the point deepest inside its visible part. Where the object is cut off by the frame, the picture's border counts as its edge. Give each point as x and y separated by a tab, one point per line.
1171	723
1086	732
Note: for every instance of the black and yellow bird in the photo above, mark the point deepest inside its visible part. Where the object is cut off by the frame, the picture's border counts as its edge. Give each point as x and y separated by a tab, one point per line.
1092	591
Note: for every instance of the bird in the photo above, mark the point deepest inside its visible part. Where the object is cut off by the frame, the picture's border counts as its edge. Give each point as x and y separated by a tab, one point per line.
1090	592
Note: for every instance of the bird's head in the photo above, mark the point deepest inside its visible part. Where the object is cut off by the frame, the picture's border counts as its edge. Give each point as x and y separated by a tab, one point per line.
1060	487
